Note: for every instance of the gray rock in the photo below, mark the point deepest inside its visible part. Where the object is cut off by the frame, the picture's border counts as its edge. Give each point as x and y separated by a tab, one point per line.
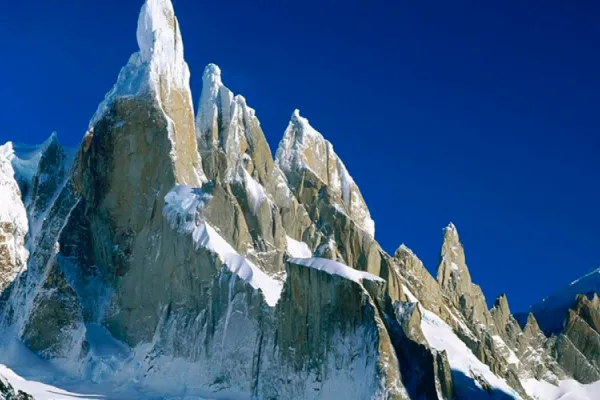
7	392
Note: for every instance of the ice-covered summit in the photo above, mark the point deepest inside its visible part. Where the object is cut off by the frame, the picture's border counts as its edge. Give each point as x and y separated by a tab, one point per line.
302	149
159	39
226	123
159	65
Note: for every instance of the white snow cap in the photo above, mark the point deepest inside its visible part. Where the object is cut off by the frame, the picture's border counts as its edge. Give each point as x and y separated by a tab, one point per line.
214	95
451	230
159	39
159	63
215	98
212	75
441	337
224	120
304	148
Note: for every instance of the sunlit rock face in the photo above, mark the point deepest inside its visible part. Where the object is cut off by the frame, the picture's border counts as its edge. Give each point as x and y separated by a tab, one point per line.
209	268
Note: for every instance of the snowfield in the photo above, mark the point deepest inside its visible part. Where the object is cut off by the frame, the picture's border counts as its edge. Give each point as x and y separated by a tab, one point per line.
567	390
335	268
463	362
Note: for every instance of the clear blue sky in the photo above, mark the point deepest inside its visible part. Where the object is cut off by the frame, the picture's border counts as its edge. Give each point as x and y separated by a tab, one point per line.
482	113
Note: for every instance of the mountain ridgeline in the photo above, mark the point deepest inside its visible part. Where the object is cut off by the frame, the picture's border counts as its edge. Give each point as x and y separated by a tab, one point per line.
224	272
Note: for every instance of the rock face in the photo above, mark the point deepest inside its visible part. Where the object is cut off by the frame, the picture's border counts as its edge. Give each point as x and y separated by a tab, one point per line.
305	157
455	280
7	392
578	345
218	271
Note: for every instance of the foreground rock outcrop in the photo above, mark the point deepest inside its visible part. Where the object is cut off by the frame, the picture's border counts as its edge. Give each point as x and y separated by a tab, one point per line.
7	392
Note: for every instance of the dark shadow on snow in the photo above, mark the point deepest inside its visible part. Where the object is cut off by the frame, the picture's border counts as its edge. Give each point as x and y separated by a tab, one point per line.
466	387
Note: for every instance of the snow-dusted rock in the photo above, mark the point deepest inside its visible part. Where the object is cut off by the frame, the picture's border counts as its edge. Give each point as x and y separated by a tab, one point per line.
304	150
13	220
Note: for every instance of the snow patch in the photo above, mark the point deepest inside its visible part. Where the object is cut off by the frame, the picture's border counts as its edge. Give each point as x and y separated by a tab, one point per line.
298	249
441	337
510	355
335	268
255	191
411	297
566	390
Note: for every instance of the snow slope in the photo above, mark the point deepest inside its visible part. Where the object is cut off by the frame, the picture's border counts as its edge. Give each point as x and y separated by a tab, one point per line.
466	368
567	390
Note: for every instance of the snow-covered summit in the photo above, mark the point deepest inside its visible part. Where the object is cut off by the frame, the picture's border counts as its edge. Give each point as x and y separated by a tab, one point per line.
224	121
450	231
159	65
161	46
304	148
157	32
217	98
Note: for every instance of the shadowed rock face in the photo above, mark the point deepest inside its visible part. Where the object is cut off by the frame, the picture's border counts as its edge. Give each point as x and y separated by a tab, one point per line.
55	326
7	392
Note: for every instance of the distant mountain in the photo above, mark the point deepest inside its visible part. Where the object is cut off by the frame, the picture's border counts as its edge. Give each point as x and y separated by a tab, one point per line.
551	311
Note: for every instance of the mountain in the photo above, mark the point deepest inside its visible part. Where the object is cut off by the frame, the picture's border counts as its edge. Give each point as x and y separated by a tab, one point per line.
172	256
551	310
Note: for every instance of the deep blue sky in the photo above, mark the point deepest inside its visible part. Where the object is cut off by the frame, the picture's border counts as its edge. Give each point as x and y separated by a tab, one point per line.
482	113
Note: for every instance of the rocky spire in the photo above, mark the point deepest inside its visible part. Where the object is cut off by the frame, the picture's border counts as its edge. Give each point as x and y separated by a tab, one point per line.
589	310
453	274
159	72
161	47
304	150
215	99
226	124
501	306
531	328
